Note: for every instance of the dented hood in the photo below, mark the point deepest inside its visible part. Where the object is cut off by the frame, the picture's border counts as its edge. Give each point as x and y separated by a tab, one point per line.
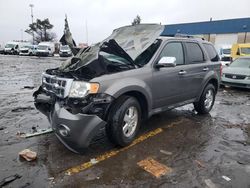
127	42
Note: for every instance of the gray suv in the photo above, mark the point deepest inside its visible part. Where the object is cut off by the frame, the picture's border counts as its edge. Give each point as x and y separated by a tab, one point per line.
130	76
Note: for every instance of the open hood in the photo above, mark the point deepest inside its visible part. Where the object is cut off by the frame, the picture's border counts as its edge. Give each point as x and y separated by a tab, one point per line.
126	42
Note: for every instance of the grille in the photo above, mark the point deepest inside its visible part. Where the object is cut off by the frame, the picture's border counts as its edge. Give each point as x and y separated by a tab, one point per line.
233	76
56	85
24	51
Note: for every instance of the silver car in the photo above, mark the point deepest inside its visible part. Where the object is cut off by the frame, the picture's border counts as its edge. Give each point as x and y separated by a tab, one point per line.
237	74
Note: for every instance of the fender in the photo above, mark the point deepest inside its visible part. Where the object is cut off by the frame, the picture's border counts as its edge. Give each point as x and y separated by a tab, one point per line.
209	76
130	84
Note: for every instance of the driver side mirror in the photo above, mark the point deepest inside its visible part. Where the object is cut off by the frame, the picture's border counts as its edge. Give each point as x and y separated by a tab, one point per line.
166	62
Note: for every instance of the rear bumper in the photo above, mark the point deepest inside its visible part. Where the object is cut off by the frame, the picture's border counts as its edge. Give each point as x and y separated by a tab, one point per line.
75	131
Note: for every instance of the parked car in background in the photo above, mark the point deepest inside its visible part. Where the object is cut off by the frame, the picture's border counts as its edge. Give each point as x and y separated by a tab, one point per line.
239	50
45	49
237	74
65	51
28	50
1	50
225	54
11	48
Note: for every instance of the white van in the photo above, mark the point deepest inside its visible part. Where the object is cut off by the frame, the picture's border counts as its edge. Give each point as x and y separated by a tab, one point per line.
28	49
11	48
45	49
224	52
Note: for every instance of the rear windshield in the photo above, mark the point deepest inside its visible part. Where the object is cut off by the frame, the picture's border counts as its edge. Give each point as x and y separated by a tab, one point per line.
212	54
41	47
241	63
245	50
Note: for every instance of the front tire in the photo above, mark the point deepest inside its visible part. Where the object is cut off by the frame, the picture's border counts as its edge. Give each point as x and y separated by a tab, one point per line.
206	102
124	121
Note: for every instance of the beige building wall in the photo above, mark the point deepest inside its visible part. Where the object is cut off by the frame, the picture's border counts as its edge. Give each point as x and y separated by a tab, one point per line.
244	36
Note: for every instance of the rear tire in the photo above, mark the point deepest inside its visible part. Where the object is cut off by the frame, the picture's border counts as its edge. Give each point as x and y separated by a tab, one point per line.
124	121
206	102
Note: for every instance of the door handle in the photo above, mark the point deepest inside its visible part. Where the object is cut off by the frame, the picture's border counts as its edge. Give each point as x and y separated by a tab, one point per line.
205	69
182	72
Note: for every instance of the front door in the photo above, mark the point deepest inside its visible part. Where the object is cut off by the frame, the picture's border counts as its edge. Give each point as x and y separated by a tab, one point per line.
169	82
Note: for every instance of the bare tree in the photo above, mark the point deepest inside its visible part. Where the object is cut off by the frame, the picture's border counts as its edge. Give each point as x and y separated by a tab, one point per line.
137	20
42	30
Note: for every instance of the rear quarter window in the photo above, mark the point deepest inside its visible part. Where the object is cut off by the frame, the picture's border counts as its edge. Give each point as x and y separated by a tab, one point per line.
212	54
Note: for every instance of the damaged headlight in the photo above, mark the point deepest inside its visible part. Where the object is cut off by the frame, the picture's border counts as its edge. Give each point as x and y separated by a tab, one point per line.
80	89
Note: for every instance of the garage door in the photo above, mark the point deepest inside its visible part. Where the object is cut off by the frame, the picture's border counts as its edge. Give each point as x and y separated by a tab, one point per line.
228	39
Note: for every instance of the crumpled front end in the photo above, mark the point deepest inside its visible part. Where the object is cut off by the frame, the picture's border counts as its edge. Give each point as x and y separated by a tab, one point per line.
75	121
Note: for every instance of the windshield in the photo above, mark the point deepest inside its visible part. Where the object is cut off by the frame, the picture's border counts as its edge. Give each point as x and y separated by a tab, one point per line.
241	63
226	51
9	45
65	48
26	47
245	50
42	47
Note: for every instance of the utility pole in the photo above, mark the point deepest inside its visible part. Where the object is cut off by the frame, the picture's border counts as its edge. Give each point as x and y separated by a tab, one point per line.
31	8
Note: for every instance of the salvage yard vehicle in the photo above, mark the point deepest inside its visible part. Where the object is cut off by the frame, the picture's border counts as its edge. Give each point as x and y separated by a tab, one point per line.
130	76
225	54
65	51
28	50
45	49
239	50
237	74
11	48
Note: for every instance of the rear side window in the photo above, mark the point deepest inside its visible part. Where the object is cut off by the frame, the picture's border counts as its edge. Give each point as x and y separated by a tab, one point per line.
213	56
194	53
174	49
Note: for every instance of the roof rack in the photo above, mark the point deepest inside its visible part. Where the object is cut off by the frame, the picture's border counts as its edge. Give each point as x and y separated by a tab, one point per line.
187	36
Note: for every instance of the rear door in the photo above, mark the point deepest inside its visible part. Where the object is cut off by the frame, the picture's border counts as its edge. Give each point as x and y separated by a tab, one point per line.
196	68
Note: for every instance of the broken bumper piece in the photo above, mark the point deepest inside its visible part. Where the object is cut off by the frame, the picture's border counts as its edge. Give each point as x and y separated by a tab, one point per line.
75	131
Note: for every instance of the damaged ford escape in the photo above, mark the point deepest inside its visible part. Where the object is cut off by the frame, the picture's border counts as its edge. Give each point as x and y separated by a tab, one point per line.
128	77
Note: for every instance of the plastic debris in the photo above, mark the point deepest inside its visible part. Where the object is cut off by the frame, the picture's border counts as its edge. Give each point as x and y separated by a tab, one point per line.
51	178
155	168
39	132
20	134
28	155
226	178
9	179
93	161
209	183
166	152
200	164
28	87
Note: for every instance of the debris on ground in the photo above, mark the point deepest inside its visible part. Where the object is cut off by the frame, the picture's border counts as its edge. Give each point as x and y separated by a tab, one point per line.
21	109
226	178
34	129
20	134
155	168
2	128
28	155
93	161
9	179
39	132
28	87
166	152
51	178
209	183
200	164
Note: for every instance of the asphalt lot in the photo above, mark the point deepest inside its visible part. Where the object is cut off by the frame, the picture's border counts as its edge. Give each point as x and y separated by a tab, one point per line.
200	150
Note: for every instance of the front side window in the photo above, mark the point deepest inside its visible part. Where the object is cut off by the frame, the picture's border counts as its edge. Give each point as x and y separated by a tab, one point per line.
174	49
194	52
